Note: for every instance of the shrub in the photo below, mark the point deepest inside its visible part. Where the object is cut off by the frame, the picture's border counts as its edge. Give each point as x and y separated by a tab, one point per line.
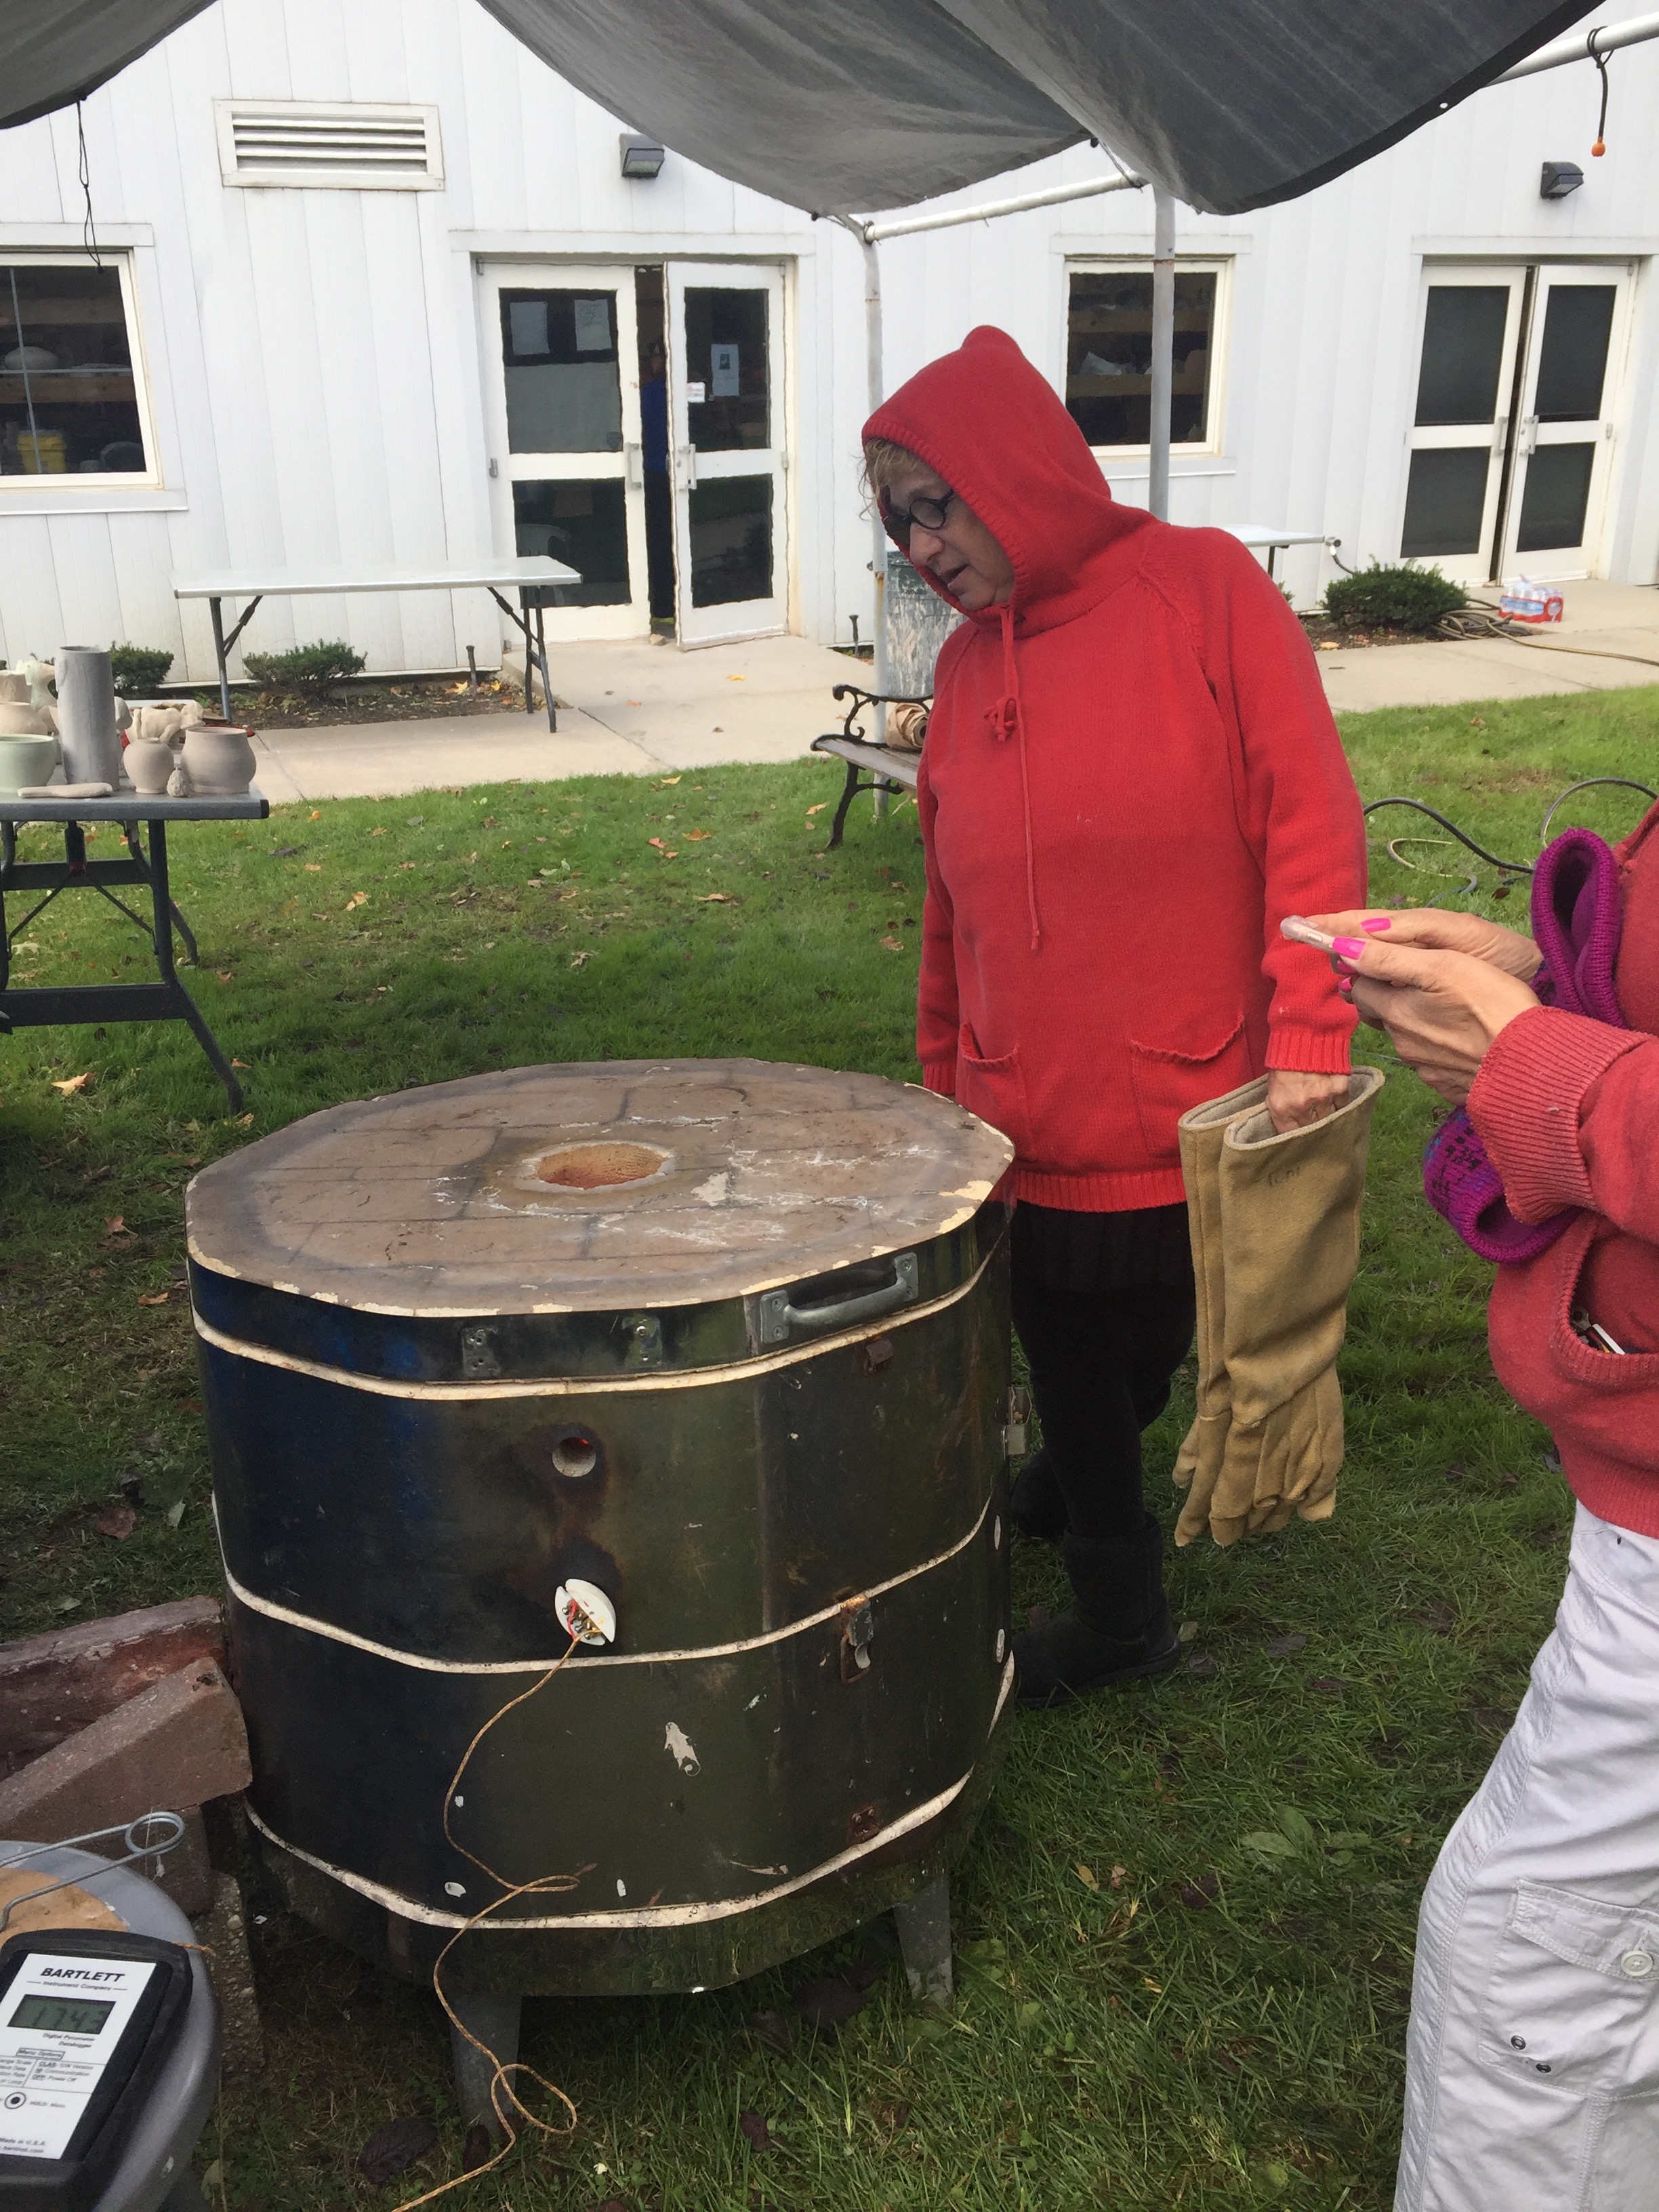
1400	597
138	669
313	671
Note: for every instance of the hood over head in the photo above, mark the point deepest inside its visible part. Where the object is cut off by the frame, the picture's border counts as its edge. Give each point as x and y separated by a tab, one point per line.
997	433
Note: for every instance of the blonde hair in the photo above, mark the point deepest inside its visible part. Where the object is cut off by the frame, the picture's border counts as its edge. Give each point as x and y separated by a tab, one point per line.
884	462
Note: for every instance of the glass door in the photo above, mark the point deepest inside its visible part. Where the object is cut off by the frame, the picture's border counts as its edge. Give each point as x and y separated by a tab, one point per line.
726	395
1472	321
1564	436
565	439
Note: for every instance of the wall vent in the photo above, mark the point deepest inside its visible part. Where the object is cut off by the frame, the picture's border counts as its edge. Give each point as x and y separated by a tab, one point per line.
346	146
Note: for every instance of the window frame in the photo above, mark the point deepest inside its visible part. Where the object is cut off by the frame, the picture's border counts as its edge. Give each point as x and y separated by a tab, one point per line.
1220	265
149	478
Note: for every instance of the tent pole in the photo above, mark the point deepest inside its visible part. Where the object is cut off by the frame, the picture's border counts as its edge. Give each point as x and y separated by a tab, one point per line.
877	393
1157	473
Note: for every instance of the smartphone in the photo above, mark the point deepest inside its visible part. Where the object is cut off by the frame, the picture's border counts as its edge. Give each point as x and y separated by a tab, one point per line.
1303	933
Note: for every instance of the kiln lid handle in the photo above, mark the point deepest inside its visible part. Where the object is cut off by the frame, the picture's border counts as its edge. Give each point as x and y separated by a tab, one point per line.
779	1317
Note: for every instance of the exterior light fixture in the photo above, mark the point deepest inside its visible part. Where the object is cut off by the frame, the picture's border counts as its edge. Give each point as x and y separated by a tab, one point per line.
640	157
1559	179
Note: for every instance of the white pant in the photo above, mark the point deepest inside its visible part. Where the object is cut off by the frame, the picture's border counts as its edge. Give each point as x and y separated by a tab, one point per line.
1533	2054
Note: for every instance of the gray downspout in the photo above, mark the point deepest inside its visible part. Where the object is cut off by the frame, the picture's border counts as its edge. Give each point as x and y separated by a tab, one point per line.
1157	474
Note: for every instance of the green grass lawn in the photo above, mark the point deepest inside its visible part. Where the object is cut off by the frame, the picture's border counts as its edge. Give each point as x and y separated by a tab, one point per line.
1185	1926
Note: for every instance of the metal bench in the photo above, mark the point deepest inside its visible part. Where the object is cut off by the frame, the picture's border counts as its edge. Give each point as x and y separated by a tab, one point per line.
888	769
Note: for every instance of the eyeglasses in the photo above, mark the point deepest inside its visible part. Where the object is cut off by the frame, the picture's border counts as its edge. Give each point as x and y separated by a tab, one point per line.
897	521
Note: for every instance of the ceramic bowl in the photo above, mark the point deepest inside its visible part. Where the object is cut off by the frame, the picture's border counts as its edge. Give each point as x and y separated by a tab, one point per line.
26	761
31	356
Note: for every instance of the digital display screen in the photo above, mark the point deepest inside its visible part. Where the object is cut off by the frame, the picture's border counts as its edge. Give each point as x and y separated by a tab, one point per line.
62	2016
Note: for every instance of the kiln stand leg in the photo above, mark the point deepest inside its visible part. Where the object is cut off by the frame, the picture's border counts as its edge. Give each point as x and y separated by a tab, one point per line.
924	1934
495	2021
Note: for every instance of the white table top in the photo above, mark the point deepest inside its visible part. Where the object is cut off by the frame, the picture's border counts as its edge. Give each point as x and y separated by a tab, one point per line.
251	806
440	576
1273	533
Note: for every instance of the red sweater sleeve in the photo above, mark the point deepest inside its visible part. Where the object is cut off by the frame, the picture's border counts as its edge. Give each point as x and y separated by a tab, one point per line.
1296	797
938	1021
1568	1109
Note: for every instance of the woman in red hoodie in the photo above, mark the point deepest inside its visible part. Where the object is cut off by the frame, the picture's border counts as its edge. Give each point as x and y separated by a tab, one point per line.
1131	777
1533	2058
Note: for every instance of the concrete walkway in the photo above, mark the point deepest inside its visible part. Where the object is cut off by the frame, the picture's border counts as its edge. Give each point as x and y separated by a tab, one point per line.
1600	621
640	709
633	709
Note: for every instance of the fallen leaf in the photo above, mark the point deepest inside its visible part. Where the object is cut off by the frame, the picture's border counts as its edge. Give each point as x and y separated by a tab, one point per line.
829	2000
153	1298
714	898
737	679
245	1120
72	1082
663	781
1439	1618
657	842
1297	1826
579	960
891	944
1147	1983
381	832
175	1513
316	814
818	809
115	1225
65	1604
1116	1876
754	2131
1086	1878
1508	1482
1187	1631
390	2149
774	2030
212	2176
1333	1685
315	867
1282	1646
634	702
698	836
116	1520
1203	1665
477	2151
225	974
357	898
239	1063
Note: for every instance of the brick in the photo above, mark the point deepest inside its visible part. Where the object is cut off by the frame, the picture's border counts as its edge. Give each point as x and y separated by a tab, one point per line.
51	1686
173	1746
186	1872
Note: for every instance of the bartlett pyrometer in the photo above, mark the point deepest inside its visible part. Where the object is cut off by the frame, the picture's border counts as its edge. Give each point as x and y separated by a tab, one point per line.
87	2018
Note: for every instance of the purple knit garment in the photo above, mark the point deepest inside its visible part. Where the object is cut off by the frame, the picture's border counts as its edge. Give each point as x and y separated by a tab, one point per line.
1576	920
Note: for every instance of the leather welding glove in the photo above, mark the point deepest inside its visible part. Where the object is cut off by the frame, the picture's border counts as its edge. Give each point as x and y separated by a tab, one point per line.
1289	1234
1198	1464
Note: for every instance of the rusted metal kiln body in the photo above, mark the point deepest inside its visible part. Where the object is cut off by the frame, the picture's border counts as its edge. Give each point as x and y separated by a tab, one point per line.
754	1393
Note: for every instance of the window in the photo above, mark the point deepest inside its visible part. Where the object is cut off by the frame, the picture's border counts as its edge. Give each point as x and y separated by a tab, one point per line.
72	402
1108	356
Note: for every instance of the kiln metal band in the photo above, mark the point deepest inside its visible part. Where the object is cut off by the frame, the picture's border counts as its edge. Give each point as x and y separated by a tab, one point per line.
645	1916
312	1627
608	1385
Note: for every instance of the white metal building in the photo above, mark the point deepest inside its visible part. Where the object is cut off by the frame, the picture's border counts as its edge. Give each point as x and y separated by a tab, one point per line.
374	289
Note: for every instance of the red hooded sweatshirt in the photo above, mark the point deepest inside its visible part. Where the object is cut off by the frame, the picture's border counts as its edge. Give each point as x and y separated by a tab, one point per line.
1569	1112
1130	776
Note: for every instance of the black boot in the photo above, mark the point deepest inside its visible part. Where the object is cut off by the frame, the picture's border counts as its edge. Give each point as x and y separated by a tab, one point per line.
1036	1503
1119	1630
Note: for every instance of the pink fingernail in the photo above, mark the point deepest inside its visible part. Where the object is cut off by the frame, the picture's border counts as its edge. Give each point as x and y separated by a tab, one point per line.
1351	948
1376	923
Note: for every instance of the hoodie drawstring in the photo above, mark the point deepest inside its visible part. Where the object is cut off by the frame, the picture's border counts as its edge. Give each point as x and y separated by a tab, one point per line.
1007	720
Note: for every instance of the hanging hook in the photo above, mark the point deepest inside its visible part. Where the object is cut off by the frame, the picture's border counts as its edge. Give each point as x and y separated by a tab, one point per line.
1601	61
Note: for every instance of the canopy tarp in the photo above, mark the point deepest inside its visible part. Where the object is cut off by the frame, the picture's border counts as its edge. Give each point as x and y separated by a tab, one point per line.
843	105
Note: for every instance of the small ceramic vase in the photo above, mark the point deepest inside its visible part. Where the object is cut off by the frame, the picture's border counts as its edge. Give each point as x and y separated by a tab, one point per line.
26	761
219	759
149	762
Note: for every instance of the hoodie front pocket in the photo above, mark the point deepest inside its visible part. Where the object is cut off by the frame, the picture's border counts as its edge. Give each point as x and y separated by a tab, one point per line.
1170	1082
994	1089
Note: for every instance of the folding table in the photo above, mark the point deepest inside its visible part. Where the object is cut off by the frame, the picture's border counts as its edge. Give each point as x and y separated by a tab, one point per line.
530	577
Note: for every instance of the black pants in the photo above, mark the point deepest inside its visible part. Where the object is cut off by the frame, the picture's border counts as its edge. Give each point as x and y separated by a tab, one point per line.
659	543
1102	1350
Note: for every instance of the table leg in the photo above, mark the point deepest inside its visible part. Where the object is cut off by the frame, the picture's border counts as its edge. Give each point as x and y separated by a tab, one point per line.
541	655
189	1011
219	647
130	831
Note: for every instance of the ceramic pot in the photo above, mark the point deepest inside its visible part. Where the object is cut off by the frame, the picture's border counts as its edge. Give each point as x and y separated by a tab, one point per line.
19	719
26	760
218	758
149	762
14	685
